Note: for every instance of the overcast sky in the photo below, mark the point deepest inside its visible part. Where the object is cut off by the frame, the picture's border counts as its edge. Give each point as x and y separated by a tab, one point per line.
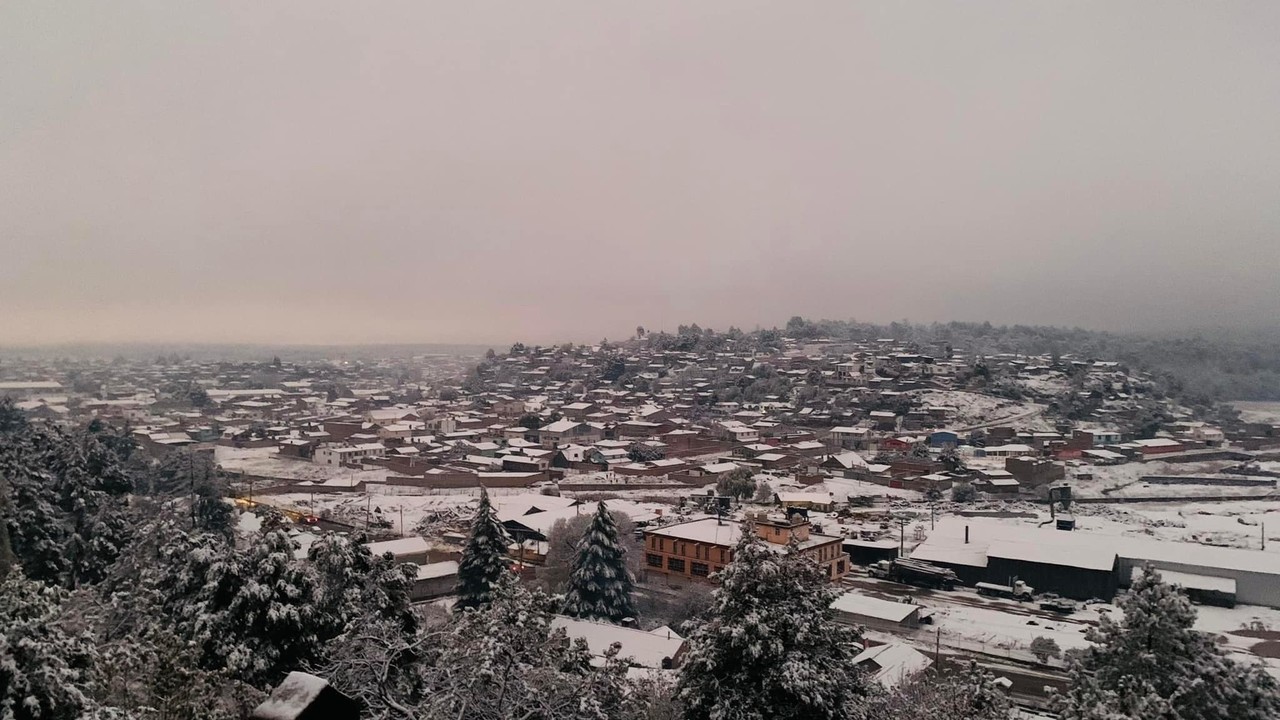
483	172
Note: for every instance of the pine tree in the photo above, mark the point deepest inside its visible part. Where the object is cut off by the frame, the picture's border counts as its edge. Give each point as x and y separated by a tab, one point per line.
484	559
769	646
505	660
600	585
65	502
1152	664
353	584
256	615
44	670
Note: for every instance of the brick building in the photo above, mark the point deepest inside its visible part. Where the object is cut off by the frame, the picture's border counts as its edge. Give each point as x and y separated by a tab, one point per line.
693	551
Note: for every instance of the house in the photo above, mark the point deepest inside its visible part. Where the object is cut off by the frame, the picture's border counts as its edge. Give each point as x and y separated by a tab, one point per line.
847	438
890	664
1010	450
411	549
1095	438
1104	457
435	580
347	454
884	420
998	485
737	432
943	438
822	502
565	432
849	464
693	551
659	649
1155	446
1034	472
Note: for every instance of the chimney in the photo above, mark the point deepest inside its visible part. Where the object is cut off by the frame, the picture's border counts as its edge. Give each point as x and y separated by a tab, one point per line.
966	534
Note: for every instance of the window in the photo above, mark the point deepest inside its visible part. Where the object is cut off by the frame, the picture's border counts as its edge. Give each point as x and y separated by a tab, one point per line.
840	567
653	560
722	555
699	569
675	564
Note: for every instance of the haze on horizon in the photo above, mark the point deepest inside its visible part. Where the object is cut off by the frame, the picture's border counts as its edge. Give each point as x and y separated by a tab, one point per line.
319	172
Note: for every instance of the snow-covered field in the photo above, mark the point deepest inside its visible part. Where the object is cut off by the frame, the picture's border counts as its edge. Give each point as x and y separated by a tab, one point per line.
979	409
267	462
1126	476
1263	412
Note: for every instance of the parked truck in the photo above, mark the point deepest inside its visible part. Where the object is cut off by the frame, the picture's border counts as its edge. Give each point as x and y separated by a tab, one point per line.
1017	591
914	572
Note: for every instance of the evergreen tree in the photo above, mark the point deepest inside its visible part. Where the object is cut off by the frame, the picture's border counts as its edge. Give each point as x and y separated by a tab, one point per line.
1152	664
600	585
769	647
354	585
484	559
65	501
44	670
211	512
256	615
506	661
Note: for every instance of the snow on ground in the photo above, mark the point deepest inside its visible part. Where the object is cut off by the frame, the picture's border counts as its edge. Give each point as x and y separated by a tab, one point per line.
1262	412
995	629
267	462
1046	386
1108	477
1229	524
843	488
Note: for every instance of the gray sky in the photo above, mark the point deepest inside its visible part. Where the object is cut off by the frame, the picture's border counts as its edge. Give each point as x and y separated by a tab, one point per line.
477	171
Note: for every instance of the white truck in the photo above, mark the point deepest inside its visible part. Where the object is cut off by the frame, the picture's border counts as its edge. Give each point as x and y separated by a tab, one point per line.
1017	591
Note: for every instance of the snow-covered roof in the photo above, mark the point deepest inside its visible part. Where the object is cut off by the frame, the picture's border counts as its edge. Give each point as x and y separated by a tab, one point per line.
437	570
403	546
291	697
645	649
856	603
560	426
726	533
892	663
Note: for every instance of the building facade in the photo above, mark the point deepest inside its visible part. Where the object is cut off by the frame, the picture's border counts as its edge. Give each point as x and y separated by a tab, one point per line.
694	551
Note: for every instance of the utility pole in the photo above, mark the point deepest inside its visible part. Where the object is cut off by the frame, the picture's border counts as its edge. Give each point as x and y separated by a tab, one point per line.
903	521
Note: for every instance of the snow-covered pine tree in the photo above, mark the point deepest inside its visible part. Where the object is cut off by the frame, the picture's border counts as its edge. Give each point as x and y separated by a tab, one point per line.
44	670
354	584
1152	664
506	660
484	559
600	585
256	615
769	647
65	502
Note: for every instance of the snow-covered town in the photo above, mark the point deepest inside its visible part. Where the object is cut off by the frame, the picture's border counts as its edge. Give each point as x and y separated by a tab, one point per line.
957	507
715	360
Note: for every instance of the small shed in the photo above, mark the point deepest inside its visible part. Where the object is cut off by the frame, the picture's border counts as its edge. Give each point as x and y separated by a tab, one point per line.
303	696
853	608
